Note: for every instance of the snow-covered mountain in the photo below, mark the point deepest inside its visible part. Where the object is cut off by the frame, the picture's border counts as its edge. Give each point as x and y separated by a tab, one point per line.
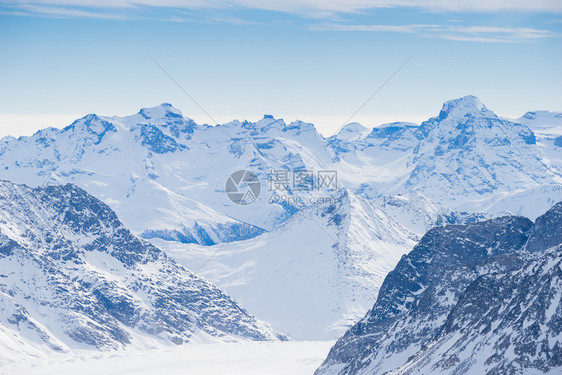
313	276
132	164
468	153
542	122
165	176
548	129
466	158
329	259
480	298
72	276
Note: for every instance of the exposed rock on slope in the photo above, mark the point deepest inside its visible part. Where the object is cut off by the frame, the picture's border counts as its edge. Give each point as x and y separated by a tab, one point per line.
480	298
72	276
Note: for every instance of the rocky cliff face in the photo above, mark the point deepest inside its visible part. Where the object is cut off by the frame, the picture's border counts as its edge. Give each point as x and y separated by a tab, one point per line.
72	276
477	298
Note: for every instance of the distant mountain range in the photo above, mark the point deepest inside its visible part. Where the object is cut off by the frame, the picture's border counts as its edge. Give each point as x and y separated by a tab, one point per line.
165	175
72	276
482	298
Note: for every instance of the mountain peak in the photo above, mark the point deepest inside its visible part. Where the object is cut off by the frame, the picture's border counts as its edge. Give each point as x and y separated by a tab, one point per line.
465	101
353	127
469	104
352	131
161	111
268	121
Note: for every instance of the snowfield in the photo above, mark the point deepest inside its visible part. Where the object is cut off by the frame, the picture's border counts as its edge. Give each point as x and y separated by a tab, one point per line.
248	358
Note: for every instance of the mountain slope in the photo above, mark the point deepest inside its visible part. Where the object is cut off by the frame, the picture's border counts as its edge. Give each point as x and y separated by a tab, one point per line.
548	128
480	298
501	332
313	276
72	276
542	122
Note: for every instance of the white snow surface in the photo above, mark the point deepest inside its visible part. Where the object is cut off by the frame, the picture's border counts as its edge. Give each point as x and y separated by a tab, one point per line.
244	358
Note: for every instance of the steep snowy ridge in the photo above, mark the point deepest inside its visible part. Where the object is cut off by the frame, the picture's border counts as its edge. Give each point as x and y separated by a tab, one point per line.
72	276
477	298
314	275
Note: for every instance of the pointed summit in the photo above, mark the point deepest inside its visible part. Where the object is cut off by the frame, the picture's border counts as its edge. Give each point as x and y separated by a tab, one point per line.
458	114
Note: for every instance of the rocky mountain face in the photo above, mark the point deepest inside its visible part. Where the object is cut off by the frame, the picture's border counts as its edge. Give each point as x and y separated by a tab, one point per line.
478	298
72	276
164	175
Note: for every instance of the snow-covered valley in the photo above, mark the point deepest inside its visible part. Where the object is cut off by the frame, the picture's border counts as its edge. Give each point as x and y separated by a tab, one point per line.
243	358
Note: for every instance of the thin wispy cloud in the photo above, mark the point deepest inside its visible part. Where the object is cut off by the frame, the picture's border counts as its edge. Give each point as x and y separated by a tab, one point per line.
234	21
515	32
66	12
314	8
406	29
490	34
333	13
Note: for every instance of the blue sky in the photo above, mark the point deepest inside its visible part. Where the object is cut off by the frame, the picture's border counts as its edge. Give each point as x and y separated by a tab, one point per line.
313	60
